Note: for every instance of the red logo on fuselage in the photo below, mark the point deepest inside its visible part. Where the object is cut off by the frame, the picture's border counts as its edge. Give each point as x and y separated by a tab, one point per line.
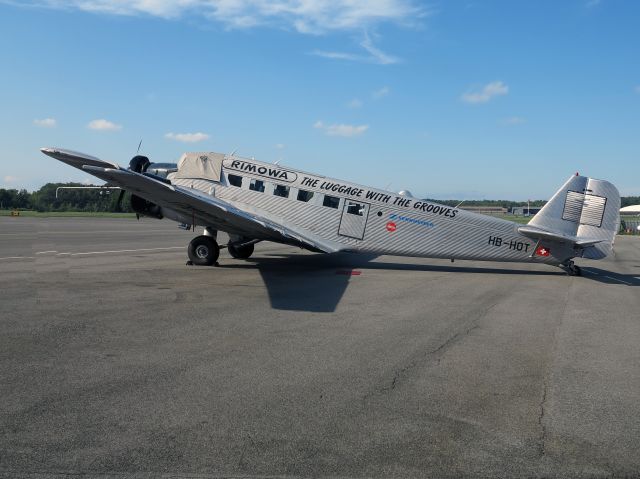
391	226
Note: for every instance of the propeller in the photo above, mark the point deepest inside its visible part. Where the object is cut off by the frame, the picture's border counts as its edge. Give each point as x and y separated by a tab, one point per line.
138	164
119	202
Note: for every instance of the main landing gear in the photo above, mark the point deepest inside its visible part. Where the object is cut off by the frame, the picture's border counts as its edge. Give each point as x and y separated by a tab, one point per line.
204	250
240	251
572	269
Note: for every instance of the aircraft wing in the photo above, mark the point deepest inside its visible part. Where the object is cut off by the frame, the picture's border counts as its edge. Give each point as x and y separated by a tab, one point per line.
539	233
203	209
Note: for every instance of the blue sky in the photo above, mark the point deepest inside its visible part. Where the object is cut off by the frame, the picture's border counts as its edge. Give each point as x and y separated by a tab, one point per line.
458	99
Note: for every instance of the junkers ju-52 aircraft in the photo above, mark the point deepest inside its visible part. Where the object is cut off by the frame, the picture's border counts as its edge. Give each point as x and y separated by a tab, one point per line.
254	201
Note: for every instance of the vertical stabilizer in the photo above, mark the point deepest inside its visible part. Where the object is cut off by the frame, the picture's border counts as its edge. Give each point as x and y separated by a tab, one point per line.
584	208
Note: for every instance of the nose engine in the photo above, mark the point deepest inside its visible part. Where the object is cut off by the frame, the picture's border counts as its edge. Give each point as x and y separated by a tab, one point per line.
158	171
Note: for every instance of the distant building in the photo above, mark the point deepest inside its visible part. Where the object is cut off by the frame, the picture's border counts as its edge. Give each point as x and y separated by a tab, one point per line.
630	210
525	211
486	210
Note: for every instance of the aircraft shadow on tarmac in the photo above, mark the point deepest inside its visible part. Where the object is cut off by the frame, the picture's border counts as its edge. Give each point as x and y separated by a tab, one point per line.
316	283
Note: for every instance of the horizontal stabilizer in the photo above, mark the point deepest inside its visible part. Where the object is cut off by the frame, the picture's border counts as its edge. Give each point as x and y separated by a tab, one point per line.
538	233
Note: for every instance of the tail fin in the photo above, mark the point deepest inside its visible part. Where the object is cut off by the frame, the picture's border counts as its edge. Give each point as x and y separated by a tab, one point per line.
586	209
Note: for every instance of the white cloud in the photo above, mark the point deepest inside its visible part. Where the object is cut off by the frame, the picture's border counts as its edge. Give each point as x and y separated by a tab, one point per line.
382	92
514	120
374	54
355	104
279	146
490	90
377	55
341	129
637	89
103	125
187	137
10	179
304	16
308	17
45	122
339	56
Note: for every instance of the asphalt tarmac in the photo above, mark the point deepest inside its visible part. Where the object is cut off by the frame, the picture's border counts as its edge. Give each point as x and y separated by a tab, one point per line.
118	360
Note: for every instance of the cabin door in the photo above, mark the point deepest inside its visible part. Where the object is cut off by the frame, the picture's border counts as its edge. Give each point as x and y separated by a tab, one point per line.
354	219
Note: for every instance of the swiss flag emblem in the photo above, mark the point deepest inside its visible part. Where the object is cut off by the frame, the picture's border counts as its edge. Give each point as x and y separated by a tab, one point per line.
542	251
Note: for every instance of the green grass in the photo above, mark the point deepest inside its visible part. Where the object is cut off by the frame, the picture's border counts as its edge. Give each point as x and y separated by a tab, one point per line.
73	214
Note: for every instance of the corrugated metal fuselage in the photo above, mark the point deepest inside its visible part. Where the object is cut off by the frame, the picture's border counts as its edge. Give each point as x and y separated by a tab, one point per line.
369	220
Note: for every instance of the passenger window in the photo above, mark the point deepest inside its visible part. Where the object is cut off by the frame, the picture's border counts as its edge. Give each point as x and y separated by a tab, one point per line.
331	201
281	190
305	195
235	180
256	185
355	208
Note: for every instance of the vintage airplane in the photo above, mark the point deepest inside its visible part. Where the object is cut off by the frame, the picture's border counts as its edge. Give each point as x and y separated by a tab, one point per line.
254	201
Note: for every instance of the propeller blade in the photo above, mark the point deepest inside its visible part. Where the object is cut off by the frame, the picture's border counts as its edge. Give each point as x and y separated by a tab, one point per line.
119	202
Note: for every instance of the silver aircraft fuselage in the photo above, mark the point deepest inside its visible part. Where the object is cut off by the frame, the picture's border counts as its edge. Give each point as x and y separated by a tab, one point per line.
370	220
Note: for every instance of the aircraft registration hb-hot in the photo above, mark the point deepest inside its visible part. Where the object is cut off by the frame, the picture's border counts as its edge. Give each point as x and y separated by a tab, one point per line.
254	201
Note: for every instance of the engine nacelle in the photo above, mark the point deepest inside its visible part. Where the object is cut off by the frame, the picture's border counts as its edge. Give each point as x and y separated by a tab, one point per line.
145	208
141	164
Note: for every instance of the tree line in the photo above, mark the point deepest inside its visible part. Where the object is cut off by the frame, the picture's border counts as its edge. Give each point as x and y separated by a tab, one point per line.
45	200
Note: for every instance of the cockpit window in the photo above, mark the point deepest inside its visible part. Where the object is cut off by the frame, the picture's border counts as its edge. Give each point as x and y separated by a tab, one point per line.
235	180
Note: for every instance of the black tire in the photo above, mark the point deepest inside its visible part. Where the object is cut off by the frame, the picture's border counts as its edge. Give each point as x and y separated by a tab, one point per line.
203	251
240	252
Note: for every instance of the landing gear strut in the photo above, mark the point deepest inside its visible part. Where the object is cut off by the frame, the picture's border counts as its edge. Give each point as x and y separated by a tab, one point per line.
572	269
203	251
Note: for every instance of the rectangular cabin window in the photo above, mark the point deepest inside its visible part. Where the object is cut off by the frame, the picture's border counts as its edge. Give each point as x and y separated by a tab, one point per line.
256	185
304	195
331	201
281	190
354	208
235	180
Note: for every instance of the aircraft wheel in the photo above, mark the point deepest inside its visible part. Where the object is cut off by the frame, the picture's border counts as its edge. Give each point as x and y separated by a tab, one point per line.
203	251
240	252
573	269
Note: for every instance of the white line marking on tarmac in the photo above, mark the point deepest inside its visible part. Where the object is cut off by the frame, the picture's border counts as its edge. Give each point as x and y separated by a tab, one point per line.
141	250
616	279
122	251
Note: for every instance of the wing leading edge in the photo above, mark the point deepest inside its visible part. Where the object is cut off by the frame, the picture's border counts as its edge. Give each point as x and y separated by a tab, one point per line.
190	203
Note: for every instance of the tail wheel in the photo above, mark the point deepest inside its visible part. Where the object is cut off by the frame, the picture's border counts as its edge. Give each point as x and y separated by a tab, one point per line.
240	251
203	251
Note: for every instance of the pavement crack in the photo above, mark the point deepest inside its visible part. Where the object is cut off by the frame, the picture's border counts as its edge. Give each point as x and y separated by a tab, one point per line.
542	406
437	352
542	443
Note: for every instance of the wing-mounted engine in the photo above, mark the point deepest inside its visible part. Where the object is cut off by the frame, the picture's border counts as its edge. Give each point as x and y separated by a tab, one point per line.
157	171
